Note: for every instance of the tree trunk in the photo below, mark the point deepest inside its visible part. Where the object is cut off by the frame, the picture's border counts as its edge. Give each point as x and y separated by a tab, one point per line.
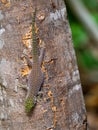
61	106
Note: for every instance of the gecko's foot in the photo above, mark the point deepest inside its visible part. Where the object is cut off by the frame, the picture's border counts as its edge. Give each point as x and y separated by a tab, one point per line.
40	94
23	86
35	100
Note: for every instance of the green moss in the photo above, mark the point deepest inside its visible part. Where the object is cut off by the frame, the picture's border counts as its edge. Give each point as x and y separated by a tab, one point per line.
29	104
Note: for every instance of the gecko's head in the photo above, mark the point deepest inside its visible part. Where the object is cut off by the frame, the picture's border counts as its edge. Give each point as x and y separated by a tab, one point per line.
29	104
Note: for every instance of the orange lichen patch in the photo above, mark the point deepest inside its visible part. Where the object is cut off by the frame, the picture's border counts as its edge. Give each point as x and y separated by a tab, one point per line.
51	61
43	67
41	16
7	5
36	29
26	38
51	97
26	43
54	119
50	94
25	71
45	71
40	42
54	108
44	111
4	1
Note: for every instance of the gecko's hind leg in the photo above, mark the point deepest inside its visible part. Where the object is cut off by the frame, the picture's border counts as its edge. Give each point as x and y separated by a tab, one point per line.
28	60
40	93
23	86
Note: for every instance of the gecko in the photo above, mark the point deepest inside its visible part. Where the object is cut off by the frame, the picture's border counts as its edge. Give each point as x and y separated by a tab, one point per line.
36	77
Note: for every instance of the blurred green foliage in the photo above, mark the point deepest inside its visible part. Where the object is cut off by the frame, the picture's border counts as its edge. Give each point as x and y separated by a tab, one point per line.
91	4
80	37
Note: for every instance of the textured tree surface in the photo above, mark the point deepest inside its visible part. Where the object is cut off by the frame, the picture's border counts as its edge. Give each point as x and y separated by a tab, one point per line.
62	106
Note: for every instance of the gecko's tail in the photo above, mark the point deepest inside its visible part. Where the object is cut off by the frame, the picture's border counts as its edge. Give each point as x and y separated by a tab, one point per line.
34	38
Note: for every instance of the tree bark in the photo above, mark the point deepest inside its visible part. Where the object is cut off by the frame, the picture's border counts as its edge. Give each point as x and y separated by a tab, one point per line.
62	105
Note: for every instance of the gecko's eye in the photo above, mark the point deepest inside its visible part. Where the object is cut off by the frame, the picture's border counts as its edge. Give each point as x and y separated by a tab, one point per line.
29	104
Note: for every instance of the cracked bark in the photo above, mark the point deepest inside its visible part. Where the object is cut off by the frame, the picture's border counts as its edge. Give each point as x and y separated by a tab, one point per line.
62	106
